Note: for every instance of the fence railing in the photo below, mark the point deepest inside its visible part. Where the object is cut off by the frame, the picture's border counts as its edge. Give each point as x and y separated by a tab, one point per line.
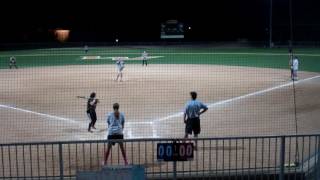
259	157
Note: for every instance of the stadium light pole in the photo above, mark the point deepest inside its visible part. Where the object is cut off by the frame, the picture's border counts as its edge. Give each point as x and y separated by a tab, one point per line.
270	25
296	161
291	25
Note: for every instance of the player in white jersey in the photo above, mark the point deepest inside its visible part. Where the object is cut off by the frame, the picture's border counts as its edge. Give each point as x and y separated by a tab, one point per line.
120	67
86	49
13	62
294	68
144	58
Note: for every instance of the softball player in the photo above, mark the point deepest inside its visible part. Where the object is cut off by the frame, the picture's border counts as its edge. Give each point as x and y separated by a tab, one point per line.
120	67
86	49
294	68
13	62
91	110
144	58
115	121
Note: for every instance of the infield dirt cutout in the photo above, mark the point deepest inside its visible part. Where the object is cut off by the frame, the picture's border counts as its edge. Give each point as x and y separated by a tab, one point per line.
40	104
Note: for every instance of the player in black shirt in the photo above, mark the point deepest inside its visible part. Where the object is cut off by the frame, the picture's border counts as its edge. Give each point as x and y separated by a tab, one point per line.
91	110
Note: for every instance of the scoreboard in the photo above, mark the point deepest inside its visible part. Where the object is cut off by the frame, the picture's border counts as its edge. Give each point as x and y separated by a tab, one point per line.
175	151
172	29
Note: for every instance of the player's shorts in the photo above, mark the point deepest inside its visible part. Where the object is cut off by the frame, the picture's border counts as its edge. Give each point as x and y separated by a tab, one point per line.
295	74
193	125
115	136
92	115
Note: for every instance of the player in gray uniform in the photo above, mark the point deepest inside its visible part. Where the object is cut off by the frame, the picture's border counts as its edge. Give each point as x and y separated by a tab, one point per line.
13	62
144	58
86	49
120	67
294	68
115	121
191	117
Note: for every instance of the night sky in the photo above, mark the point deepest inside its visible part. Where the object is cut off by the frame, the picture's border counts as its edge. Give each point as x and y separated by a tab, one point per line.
227	20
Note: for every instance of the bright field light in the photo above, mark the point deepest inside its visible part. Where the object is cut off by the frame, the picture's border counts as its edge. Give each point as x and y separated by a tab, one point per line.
62	35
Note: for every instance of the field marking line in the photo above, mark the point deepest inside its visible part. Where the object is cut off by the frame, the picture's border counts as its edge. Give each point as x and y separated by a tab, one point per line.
57	117
37	113
80	123
180	114
165	53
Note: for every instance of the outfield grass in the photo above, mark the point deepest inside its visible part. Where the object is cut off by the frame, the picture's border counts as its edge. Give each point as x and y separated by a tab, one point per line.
253	57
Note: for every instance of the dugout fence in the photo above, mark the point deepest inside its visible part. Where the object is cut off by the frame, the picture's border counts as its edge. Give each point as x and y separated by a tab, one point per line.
255	157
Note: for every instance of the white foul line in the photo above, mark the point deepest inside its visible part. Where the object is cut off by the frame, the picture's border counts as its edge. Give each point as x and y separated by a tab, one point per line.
77	122
37	113
179	114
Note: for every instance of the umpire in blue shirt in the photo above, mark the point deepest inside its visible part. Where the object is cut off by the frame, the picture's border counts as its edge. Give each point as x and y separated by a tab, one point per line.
191	117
